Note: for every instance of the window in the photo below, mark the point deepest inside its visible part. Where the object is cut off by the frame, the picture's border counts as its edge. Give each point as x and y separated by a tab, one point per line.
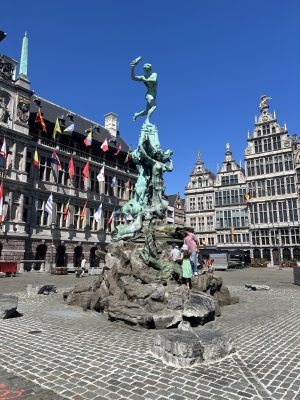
264	237
266	129
290	184
229	180
201	222
78	180
45	169
254	214
209	202
292	207
288	162
263	216
122	188
269	165
285	237
193	222
210	223
258	146
278	166
220	238
259	166
272	211
261	191
295	235
276	143
78	222
255	238
267	144
63	174
270	187
60	221
250	167
42	216
200	203
282	211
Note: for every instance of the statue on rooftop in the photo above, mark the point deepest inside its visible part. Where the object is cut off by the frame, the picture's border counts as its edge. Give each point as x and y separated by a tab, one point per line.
263	101
150	80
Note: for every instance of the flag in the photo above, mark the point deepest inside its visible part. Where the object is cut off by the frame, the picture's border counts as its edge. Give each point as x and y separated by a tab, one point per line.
71	168
247	197
85	171
111	218
1	202
49	205
128	157
69	129
113	182
3	151
40	120
88	140
57	129
82	216
232	234
101	175
67	210
118	150
203	242
36	162
128	185
98	214
104	145
54	160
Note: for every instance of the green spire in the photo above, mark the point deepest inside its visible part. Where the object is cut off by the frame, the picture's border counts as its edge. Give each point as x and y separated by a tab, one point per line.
24	57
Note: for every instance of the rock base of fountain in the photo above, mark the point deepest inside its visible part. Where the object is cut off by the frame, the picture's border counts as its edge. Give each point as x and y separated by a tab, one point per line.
130	291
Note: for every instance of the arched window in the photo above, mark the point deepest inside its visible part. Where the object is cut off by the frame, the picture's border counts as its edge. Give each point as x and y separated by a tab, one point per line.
267	254
256	253
297	253
286	254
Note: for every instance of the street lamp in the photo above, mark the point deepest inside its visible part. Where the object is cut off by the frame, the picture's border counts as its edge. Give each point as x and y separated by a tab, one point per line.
2	36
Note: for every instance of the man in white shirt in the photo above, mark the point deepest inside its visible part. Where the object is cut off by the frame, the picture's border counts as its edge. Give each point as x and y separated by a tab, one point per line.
175	253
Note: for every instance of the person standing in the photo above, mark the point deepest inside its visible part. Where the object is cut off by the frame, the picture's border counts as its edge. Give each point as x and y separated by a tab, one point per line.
186	267
193	244
82	265
174	253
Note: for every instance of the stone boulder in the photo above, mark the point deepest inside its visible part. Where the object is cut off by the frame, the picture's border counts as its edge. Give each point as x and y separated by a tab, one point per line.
200	308
184	347
135	293
8	306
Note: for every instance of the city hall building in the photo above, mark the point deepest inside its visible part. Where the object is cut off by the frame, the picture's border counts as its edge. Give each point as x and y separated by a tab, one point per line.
38	161
252	210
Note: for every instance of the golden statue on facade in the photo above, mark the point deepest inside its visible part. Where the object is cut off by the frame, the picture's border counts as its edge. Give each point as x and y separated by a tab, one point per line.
263	101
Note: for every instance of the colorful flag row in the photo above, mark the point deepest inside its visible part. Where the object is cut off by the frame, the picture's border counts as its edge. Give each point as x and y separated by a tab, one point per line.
70	129
55	161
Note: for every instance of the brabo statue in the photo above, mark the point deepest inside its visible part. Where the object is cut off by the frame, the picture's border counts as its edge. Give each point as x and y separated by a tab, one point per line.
150	80
149	203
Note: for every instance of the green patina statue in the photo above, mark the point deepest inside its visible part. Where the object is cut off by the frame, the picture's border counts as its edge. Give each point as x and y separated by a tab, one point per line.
148	203
150	80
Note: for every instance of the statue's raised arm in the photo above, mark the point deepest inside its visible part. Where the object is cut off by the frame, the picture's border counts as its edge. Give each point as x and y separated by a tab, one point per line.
150	80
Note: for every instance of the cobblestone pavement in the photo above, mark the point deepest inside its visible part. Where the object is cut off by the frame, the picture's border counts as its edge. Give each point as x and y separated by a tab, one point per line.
80	355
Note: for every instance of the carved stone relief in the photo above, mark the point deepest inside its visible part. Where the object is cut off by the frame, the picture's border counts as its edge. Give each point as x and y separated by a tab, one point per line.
6	69
23	110
4	103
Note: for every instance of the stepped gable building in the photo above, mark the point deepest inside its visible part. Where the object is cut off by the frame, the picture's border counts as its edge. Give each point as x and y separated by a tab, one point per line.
175	211
272	184
28	231
199	203
232	224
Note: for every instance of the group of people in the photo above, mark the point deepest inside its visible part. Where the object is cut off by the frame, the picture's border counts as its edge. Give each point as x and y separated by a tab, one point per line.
188	258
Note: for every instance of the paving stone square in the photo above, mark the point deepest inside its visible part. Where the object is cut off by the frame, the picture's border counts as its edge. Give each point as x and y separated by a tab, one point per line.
81	355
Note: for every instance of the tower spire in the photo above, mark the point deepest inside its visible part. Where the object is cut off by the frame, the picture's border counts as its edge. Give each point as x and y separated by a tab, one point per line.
24	58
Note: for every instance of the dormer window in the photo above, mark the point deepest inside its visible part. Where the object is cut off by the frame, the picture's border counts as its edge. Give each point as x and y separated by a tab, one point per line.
228	167
266	129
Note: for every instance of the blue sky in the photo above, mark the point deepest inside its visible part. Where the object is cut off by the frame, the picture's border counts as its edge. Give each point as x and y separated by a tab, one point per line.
214	60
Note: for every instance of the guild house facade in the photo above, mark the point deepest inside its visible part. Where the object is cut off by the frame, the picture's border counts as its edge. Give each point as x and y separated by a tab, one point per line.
252	210
63	176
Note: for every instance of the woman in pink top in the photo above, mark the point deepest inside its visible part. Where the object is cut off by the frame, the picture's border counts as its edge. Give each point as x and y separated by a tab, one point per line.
193	244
